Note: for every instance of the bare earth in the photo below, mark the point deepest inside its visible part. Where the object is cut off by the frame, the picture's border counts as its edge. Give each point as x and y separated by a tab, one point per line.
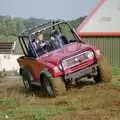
89	101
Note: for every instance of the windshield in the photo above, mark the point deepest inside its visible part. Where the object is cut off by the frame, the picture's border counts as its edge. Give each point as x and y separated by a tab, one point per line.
57	37
52	38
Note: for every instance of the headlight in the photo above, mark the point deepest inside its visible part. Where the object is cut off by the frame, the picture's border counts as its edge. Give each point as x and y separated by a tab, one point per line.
60	66
89	54
56	69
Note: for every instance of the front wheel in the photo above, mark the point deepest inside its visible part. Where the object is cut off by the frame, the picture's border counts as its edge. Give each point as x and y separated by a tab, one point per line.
47	87
104	71
53	86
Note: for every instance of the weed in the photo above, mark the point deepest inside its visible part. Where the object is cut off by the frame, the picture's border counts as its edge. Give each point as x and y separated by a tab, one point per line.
116	71
9	102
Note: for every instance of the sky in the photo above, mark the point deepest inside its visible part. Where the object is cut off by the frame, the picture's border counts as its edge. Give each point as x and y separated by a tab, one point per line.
47	9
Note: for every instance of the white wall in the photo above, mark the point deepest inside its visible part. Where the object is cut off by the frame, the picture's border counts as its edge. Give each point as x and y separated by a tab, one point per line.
9	62
105	19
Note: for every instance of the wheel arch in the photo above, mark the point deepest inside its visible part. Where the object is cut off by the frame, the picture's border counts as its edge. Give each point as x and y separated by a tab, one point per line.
21	70
45	73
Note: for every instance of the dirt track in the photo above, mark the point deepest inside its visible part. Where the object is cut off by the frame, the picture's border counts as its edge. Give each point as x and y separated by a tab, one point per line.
88	102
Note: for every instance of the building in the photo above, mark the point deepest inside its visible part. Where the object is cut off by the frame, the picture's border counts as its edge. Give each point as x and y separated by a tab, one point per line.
102	29
8	60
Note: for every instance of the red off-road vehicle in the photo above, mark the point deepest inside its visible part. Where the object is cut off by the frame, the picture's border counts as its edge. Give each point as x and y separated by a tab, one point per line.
61	64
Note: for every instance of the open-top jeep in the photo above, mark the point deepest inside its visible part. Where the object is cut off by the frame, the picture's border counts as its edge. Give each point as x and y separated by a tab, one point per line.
61	64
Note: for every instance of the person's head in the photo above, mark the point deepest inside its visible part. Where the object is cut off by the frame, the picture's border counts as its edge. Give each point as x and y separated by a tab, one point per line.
54	33
39	35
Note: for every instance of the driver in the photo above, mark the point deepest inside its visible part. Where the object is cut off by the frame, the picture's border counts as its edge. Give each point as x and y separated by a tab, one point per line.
38	44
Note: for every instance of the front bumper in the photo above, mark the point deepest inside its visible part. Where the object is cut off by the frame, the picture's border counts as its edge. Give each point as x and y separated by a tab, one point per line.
89	71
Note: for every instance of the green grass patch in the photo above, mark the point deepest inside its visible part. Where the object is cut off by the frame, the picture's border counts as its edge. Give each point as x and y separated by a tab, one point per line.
116	84
115	71
8	102
34	113
8	38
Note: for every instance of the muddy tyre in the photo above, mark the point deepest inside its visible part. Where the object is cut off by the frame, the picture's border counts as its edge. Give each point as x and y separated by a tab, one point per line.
104	71
52	87
47	87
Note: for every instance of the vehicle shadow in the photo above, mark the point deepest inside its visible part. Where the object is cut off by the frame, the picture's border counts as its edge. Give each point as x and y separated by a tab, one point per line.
38	92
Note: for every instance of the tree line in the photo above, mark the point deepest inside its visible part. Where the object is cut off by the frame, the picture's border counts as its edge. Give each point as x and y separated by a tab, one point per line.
10	27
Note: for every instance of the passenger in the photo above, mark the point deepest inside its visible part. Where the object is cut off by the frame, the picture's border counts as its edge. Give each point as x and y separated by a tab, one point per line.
59	40
55	37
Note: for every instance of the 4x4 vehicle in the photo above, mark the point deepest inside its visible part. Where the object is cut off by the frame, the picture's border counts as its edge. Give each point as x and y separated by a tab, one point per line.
60	65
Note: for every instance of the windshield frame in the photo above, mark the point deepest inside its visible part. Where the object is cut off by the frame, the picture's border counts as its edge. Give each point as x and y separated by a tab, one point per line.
41	28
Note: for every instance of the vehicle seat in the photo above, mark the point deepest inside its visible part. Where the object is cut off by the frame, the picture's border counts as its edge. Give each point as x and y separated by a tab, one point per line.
54	44
64	40
59	40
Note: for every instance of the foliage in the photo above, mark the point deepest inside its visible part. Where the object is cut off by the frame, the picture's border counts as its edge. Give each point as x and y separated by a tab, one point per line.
36	113
76	22
116	71
7	38
8	102
10	27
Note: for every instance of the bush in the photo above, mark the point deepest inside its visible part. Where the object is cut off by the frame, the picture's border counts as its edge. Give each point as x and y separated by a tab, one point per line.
7	38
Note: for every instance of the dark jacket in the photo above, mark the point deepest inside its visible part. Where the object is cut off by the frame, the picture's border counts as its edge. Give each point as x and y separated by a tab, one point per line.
35	49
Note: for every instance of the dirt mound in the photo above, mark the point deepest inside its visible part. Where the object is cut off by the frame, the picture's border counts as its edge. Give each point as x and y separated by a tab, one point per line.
105	69
59	86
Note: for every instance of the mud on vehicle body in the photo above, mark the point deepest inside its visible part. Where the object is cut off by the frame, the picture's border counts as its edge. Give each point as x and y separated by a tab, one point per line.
65	59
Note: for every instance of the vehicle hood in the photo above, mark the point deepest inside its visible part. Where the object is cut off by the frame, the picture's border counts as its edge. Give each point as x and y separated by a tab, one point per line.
55	56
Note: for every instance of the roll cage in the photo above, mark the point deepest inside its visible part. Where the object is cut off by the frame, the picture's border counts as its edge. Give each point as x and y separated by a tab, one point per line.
28	34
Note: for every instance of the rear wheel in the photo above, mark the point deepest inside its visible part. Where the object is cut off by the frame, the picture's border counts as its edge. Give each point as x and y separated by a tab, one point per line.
104	71
27	79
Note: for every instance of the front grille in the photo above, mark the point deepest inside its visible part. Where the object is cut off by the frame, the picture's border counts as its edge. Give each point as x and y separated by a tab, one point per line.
74	60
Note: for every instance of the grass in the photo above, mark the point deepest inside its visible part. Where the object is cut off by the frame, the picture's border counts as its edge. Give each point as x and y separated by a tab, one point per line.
92	101
7	101
116	74
116	71
33	112
116	84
